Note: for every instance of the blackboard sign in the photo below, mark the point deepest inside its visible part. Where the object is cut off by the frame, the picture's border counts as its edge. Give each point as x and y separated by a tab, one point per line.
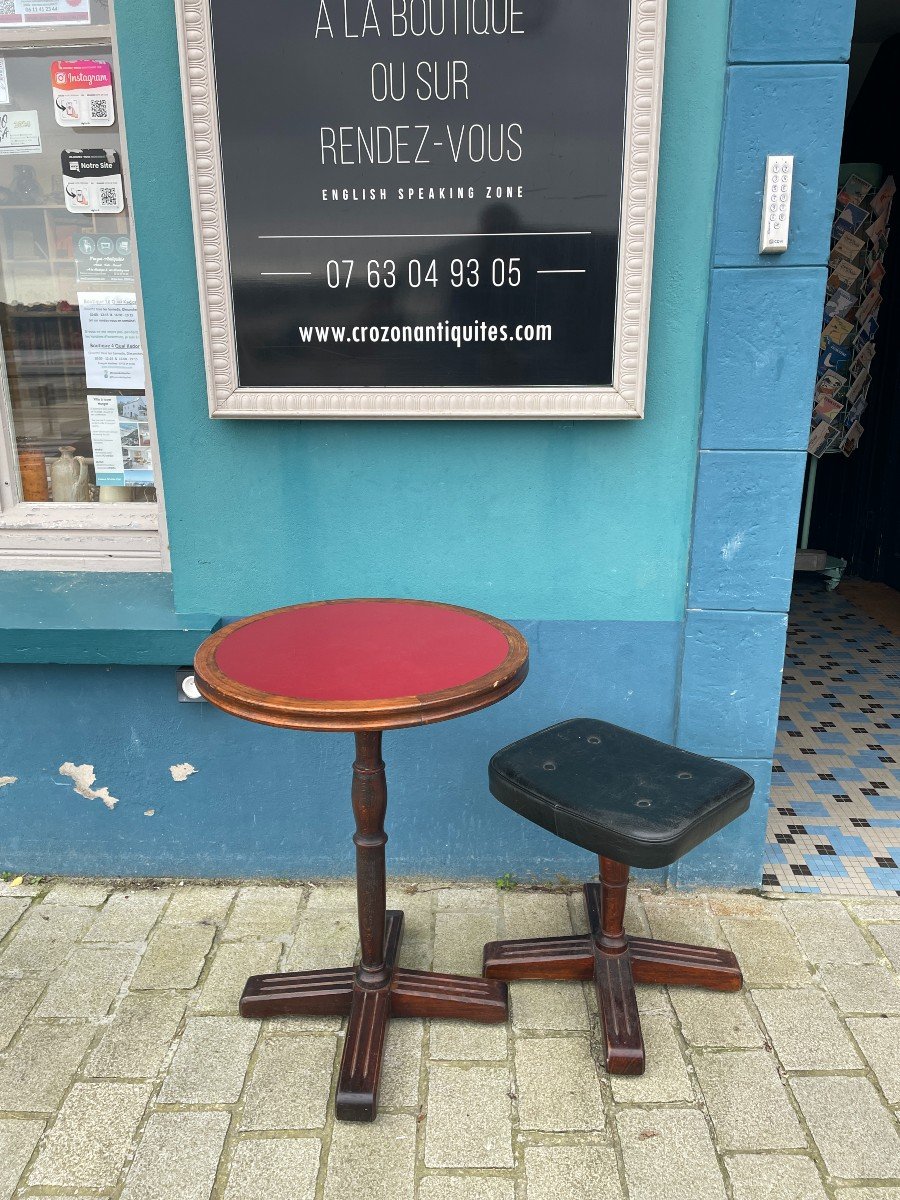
422	193
429	196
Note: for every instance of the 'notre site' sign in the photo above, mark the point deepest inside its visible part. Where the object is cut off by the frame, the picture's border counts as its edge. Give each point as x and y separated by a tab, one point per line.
424	207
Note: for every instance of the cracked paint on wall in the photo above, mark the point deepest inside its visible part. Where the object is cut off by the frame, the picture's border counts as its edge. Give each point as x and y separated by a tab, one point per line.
732	546
180	771
6	780
83	778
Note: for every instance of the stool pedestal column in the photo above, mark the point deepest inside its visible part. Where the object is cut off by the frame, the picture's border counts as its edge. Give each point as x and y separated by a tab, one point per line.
613	978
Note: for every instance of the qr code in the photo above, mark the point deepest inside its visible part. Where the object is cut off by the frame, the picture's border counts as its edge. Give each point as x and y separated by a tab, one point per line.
7	8
99	108
109	197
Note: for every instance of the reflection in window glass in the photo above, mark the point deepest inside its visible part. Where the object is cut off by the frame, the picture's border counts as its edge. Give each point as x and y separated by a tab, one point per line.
68	309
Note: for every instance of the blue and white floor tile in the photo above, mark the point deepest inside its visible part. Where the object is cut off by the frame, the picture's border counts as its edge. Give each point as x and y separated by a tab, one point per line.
834	824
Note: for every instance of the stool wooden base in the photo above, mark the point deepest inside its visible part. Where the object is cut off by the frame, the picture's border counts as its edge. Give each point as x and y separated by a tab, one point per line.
338	992
616	961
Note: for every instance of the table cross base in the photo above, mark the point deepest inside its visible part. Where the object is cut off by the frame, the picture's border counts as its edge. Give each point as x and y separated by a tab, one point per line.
616	961
405	993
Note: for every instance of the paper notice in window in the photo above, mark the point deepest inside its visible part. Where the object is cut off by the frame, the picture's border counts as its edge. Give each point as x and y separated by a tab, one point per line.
120	439
45	12
113	354
4	83
20	132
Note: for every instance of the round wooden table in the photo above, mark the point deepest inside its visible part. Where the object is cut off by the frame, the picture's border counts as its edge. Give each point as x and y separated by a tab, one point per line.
363	666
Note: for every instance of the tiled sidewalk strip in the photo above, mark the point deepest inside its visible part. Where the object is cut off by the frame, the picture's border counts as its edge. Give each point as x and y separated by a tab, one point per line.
127	1074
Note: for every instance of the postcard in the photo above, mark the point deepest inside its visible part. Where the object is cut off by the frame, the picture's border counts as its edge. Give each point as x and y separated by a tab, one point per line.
857	387
819	437
841	303
857	410
854	191
830	383
851	438
826	407
849	221
845	274
863	359
869	306
881	201
834	358
837	330
866	334
847	246
877	231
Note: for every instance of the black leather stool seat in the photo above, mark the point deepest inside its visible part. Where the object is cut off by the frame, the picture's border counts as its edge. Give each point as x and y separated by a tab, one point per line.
620	794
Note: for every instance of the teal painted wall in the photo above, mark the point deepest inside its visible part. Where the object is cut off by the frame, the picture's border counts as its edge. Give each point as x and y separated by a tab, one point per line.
782	96
271	802
578	530
552	521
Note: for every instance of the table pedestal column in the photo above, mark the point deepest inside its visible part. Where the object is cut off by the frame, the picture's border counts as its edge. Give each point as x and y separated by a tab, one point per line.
378	988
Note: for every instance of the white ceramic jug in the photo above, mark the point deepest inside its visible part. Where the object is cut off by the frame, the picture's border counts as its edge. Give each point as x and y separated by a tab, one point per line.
70	476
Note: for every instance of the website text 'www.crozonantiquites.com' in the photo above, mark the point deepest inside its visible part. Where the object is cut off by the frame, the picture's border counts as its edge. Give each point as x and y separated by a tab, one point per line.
442	331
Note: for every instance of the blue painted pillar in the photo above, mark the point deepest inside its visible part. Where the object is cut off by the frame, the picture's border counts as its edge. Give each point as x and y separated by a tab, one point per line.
785	94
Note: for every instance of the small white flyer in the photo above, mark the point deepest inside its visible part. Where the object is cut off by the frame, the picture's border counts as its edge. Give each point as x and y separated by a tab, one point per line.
20	132
4	83
45	12
120	440
113	354
82	93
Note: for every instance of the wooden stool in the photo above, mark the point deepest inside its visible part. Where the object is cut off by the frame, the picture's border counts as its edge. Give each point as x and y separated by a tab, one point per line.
634	802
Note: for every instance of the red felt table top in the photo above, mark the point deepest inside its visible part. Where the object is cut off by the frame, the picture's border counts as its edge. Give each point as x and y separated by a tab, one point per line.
361	650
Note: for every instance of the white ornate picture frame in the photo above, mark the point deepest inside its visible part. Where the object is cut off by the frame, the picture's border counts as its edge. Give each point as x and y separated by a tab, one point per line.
624	399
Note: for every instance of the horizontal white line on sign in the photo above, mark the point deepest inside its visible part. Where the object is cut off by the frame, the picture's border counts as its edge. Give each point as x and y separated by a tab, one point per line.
263	237
285	272
565	271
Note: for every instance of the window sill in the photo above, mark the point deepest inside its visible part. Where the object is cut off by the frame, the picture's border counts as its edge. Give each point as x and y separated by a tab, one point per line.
116	618
95	537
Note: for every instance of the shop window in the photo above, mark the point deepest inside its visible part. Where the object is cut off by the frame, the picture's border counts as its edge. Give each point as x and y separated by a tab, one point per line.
78	483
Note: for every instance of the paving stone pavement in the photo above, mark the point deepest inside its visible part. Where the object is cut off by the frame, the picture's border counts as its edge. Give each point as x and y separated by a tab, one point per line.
125	1070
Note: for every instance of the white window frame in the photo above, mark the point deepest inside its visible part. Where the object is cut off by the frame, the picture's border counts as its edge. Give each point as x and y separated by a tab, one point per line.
625	398
79	537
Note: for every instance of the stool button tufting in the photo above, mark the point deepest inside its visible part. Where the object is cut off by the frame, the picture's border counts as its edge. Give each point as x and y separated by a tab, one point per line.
685	775
643	803
594	740
549	766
